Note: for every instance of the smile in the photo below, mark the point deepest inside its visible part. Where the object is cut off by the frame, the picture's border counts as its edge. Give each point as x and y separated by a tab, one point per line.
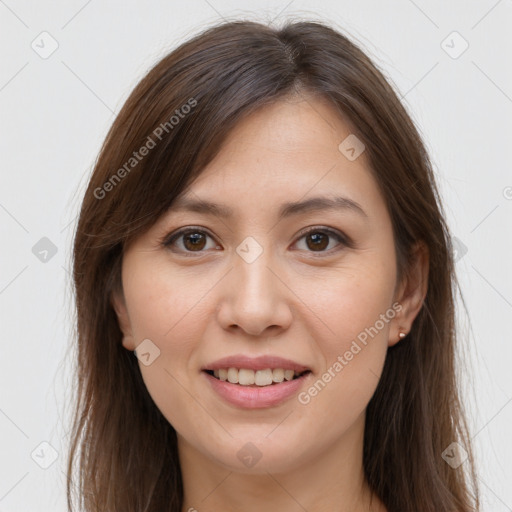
256	396
258	378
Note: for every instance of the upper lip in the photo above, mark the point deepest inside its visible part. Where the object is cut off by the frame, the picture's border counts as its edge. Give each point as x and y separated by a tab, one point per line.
255	363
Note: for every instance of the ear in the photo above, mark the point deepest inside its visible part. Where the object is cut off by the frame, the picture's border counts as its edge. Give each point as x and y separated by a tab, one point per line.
119	304
411	292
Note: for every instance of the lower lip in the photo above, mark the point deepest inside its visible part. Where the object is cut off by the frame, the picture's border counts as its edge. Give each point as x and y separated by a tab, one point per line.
249	397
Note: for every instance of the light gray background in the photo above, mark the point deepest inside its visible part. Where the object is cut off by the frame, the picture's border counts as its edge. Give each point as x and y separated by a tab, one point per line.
56	111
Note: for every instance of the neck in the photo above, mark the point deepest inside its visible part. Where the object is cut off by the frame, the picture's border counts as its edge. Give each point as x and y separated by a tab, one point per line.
333	480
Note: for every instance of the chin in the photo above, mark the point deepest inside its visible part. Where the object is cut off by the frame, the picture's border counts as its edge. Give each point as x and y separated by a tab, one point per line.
257	455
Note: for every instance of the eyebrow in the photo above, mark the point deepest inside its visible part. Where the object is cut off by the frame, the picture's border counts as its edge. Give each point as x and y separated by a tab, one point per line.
287	209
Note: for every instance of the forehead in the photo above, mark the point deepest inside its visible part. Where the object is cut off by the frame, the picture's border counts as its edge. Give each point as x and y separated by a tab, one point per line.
285	153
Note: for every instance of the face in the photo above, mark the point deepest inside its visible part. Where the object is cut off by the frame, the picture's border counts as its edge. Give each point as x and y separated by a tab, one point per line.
311	284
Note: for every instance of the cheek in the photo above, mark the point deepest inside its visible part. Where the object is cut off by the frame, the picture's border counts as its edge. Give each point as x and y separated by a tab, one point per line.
168	314
354	357
355	310
167	309
164	306
351	303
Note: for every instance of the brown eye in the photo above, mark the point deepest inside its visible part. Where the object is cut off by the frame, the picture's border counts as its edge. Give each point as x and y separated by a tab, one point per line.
194	241
189	241
318	240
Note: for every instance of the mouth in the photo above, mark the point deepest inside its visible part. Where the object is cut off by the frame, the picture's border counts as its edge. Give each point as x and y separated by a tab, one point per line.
247	377
256	389
259	382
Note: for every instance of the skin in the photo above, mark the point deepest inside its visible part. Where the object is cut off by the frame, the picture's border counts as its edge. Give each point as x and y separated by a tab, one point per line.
295	300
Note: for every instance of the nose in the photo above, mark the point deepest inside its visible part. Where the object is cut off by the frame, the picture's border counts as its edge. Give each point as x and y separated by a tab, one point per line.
254	298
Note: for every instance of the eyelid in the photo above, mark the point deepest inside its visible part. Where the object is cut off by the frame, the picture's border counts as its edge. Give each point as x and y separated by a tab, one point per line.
324	229
170	238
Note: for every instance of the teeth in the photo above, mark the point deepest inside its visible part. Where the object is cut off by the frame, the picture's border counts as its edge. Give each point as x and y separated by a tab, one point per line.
278	375
246	377
263	377
233	375
288	374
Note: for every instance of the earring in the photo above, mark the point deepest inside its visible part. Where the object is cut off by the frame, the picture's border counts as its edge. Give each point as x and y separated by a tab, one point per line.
401	335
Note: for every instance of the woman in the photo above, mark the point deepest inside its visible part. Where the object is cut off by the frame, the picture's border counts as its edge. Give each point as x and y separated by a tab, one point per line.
264	288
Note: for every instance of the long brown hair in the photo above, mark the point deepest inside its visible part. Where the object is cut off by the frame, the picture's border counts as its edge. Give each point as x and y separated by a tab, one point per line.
122	449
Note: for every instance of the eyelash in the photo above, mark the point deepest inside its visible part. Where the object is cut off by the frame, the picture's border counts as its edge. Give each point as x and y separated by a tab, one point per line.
343	240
